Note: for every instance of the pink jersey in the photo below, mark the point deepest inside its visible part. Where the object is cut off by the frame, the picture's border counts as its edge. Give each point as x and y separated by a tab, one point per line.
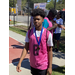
50	25
38	58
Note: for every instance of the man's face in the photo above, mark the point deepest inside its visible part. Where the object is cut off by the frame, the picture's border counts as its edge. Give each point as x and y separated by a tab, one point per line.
51	16
58	15
38	21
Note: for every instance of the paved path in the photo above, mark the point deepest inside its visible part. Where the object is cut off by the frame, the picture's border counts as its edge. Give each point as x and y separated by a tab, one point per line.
17	40
15	50
17	37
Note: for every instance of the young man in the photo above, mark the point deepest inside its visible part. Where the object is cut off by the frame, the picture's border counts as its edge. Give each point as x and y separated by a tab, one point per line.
37	40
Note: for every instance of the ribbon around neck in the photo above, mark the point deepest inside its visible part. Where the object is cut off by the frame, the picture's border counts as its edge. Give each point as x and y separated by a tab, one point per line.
40	35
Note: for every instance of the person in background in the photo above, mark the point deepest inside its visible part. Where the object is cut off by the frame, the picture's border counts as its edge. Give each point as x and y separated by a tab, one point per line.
57	31
48	21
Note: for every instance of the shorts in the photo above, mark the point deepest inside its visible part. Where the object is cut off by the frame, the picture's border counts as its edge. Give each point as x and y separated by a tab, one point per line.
56	36
38	72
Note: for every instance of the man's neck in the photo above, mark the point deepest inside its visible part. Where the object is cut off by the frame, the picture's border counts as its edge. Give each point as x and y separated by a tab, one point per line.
58	17
49	18
39	28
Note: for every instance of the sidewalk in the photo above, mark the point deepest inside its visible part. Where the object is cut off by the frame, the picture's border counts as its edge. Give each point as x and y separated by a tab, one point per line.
17	37
58	58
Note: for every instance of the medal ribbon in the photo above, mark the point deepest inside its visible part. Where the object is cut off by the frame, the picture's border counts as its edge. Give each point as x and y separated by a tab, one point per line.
40	36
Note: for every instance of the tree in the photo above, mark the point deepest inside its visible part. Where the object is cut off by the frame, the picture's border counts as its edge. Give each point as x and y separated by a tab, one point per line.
11	4
60	4
50	5
24	2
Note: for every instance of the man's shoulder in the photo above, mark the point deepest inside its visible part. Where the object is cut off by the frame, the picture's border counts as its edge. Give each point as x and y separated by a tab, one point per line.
30	30
45	20
61	19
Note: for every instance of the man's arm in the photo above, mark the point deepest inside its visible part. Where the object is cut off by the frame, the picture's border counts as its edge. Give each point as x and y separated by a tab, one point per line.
61	26
50	56
53	27
24	52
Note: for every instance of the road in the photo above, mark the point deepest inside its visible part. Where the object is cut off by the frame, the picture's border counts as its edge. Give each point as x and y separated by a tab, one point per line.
19	18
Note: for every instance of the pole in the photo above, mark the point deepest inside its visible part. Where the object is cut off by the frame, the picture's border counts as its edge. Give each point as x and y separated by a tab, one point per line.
28	12
55	4
13	14
16	12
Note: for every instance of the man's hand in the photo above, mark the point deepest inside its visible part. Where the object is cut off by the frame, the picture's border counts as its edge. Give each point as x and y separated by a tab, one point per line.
62	26
18	68
49	71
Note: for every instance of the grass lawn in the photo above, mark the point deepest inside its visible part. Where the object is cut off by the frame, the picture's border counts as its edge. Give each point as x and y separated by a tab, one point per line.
19	30
59	71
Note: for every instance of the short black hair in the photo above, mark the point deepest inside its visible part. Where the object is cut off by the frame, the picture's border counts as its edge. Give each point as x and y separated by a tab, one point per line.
61	13
37	12
54	12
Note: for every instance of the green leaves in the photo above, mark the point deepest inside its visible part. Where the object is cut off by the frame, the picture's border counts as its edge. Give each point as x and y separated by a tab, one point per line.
59	5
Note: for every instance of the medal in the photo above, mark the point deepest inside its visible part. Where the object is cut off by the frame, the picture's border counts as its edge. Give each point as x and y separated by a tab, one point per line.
38	48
